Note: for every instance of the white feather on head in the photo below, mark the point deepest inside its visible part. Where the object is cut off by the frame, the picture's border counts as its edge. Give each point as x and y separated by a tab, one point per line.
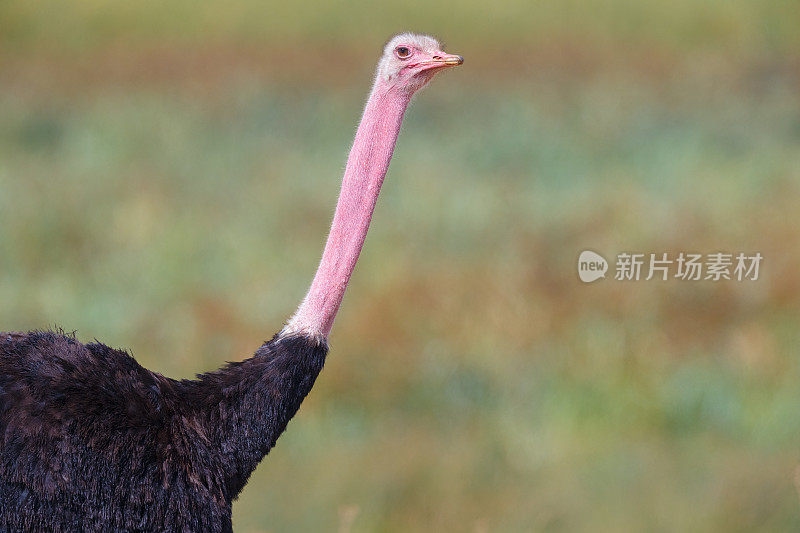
388	62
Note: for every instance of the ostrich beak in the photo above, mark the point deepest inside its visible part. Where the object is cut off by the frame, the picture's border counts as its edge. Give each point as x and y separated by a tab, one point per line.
441	60
450	59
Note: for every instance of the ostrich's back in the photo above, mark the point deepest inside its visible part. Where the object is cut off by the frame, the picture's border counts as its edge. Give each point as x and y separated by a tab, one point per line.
91	440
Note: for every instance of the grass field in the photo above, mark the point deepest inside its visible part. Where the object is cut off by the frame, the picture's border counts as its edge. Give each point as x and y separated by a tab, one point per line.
167	176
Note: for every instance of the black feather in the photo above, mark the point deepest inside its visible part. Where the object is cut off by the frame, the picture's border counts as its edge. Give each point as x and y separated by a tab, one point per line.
92	441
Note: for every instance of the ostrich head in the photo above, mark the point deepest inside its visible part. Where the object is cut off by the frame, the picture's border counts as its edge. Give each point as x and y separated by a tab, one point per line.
410	60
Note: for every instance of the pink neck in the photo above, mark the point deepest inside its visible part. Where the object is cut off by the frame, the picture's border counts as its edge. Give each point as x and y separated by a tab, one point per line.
363	176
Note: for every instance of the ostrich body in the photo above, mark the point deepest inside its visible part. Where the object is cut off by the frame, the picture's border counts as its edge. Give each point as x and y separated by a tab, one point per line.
92	441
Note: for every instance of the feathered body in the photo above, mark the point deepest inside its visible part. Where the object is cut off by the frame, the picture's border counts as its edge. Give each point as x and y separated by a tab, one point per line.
92	441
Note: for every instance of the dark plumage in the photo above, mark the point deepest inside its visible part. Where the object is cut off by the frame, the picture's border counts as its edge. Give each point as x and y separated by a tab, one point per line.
90	440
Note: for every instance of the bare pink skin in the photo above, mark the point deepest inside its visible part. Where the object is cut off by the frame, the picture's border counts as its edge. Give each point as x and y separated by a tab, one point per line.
397	80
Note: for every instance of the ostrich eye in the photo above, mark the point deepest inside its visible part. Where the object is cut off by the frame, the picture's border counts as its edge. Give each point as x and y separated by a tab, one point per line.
403	52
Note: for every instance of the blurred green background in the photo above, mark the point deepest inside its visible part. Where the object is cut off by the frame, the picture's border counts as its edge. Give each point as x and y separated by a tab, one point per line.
167	175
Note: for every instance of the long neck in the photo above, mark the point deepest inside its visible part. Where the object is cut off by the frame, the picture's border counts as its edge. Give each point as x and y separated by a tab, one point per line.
363	176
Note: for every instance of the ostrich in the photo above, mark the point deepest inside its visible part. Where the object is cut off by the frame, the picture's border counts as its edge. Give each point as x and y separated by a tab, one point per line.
92	441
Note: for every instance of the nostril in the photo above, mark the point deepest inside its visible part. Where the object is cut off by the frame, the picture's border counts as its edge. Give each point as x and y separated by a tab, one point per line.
437	57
